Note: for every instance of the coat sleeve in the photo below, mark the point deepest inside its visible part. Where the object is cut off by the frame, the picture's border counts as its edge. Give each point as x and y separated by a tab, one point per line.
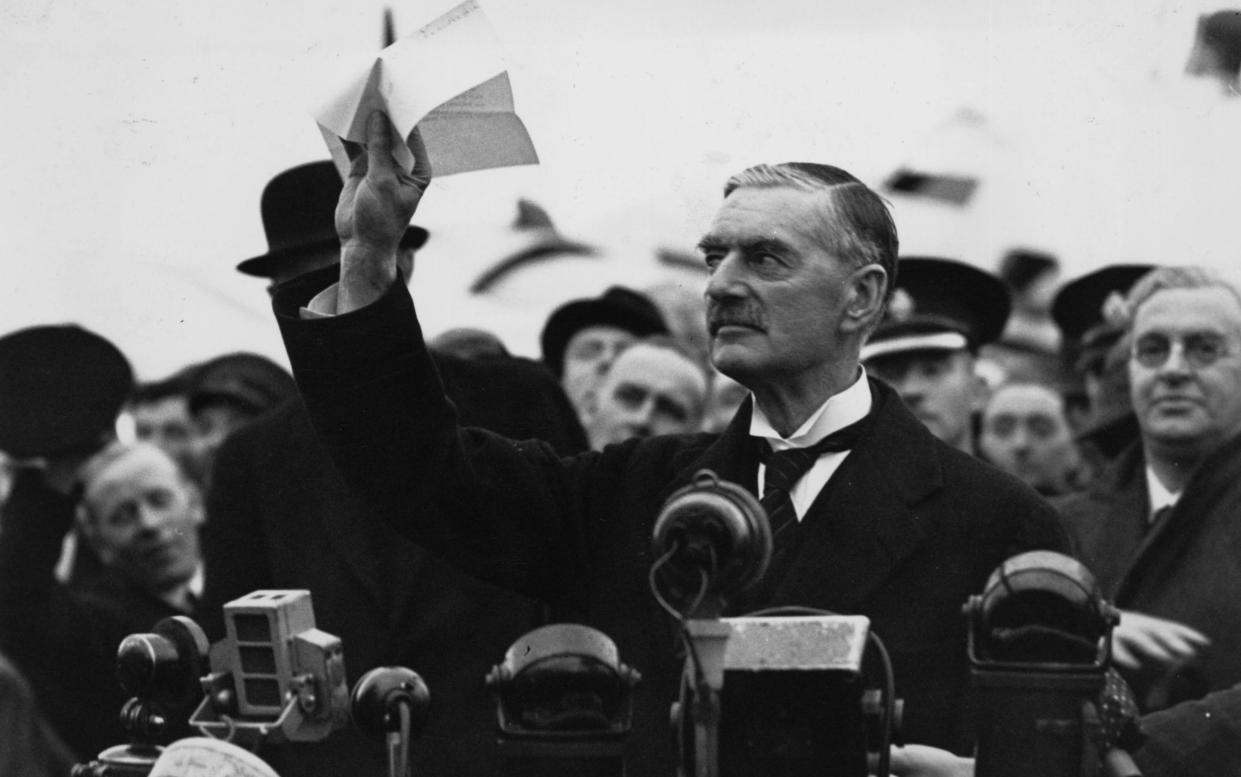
508	512
234	539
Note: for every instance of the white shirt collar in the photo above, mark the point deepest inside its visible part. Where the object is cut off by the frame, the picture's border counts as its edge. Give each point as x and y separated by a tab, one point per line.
1160	496
837	412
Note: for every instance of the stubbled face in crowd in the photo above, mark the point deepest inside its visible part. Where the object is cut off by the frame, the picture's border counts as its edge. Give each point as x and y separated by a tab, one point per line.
1185	368
650	390
1025	432
725	397
776	297
165	422
941	388
588	356
141	516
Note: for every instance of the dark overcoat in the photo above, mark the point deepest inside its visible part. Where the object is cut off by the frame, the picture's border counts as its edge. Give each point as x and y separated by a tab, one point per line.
1185	567
903	533
279	516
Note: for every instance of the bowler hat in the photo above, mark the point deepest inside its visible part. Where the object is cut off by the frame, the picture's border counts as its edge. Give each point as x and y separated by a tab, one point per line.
299	214
61	388
940	305
618	306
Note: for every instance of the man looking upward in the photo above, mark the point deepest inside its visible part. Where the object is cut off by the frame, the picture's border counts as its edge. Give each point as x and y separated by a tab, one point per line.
888	523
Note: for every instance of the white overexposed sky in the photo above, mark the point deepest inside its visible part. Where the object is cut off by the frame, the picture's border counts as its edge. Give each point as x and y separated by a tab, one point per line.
137	138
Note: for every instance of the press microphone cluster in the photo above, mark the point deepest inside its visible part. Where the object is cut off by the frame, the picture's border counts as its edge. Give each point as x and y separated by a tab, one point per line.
779	691
274	678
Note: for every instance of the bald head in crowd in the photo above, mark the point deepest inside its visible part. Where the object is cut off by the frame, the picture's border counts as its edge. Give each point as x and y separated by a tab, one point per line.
653	387
141	516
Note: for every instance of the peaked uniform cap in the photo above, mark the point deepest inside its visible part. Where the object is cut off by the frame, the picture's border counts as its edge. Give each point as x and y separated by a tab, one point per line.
940	305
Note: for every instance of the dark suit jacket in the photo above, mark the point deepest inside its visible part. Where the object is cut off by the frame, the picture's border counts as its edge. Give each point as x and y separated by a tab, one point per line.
1194	739
904	532
1186	567
65	641
279	516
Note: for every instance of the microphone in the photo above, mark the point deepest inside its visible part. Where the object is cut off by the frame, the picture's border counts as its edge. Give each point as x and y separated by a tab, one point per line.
274	677
1039	647
390	703
712	541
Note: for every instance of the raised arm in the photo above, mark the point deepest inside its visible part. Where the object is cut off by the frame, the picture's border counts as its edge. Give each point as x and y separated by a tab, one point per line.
378	200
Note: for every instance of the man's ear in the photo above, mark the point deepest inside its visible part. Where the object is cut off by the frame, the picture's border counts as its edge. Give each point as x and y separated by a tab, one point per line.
980	390
195	505
590	405
868	287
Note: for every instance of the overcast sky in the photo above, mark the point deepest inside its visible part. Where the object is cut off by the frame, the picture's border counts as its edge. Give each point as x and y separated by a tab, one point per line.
137	138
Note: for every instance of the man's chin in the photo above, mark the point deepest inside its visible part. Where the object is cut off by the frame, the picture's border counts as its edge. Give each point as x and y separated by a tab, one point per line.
735	361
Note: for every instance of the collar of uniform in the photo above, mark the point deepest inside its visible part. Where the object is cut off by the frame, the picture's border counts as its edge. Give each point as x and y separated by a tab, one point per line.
837	412
1160	496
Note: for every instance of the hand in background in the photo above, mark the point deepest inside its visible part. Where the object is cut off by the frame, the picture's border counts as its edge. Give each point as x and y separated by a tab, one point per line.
1145	639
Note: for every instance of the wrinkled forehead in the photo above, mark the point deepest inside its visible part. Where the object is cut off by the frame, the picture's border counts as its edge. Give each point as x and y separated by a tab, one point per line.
1211	309
129	477
1025	400
660	367
771	213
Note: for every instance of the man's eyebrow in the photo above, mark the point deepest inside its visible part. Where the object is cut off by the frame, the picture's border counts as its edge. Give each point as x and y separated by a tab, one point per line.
759	245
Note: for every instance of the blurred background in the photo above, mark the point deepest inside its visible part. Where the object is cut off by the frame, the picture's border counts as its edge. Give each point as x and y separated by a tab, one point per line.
137	139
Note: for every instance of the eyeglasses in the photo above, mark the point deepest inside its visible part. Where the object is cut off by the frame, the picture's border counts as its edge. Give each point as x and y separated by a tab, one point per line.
1199	349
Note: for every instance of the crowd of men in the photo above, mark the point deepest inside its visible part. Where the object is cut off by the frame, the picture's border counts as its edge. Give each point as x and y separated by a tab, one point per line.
441	500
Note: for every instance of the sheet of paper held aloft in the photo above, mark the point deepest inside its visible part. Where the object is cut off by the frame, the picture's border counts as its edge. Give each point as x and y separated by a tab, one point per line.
447	78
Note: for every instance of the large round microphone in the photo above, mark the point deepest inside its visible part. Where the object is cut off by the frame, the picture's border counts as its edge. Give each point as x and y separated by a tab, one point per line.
712	540
1042	607
1039	647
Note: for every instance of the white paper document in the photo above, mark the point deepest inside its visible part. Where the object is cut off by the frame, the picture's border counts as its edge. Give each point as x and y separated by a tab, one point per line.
449	80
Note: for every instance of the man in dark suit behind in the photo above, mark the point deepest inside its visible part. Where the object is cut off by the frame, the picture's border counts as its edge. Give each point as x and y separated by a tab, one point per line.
1159	527
281	517
900	528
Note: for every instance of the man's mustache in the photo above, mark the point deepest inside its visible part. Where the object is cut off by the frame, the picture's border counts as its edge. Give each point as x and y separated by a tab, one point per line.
721	315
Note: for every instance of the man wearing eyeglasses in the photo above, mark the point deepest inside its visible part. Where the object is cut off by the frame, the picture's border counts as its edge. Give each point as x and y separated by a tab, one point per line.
1162	530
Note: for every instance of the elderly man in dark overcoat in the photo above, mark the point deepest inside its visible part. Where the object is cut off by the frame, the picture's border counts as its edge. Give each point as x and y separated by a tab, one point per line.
890	523
1160	529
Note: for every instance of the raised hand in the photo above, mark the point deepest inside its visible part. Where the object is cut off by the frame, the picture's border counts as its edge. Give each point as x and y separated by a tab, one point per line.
377	202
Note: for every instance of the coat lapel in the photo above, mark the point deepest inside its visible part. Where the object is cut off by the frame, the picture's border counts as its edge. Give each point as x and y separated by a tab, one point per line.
862	525
1122	526
1164	543
731	456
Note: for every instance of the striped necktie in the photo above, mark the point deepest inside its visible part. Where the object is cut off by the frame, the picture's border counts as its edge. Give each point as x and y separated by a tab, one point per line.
785	468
